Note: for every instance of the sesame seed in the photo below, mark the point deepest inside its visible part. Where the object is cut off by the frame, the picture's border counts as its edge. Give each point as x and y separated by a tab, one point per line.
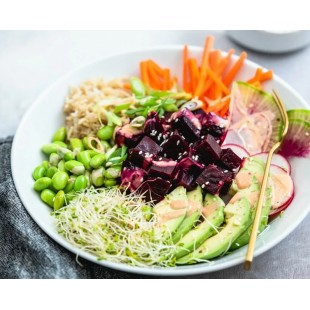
202	137
225	171
203	186
160	158
165	155
176	120
207	182
307	134
178	142
141	180
190	144
140	152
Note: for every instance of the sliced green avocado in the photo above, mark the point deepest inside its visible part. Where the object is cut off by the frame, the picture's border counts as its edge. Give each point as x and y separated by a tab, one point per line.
194	238
195	201
237	216
166	213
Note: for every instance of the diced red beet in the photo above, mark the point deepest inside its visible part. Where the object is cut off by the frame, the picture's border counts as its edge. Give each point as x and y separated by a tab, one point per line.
128	135
174	146
208	150
228	178
132	178
211	179
190	166
187	124
139	158
148	146
230	159
185	179
153	127
163	168
154	189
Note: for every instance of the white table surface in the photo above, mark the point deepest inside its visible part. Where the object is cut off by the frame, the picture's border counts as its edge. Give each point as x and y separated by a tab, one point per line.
31	60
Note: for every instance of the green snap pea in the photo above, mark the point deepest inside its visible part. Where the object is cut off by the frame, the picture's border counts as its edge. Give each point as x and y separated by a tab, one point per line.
42	183
137	87
97	161
113	172
75	167
59	200
84	158
76	145
61	144
45	164
39	172
109	182
97	176
69	196
54	159
51	171
105	133
60	134
61	166
50	148
80	183
70	185
48	196
60	180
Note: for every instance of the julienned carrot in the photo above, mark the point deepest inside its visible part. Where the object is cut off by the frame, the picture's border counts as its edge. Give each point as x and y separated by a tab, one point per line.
166	82
268	75
218	81
193	72
215	59
144	73
185	62
256	77
152	65
235	69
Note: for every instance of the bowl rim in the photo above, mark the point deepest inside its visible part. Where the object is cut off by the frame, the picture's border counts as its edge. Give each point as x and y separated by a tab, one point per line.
153	271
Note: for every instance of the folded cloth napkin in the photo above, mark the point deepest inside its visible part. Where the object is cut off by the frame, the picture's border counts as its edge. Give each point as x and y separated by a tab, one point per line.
25	250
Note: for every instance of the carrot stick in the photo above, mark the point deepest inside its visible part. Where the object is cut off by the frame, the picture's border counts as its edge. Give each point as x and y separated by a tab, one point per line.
257	76
218	81
144	73
268	75
185	60
152	65
193	72
234	70
226	61
215	59
166	82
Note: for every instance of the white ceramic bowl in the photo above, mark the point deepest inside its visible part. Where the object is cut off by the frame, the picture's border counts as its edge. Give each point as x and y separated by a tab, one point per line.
45	116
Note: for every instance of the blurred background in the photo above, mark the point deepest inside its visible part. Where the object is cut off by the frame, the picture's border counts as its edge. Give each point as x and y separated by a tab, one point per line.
31	60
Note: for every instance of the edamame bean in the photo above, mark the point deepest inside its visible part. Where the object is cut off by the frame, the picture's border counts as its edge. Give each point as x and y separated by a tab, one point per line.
97	161
93	153
80	183
69	196
42	183
97	176
48	197
39	172
109	182
61	166
60	134
51	171
87	176
61	144
75	167
113	172
45	164
85	143
84	158
50	148
59	200
70	185
60	180
105	133
76	145
69	156
54	159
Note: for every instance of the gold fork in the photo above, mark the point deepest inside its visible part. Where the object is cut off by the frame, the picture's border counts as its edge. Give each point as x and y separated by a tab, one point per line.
251	246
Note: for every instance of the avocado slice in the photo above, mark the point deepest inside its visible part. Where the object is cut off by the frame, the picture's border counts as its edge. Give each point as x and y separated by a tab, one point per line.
195	203
169	214
213	218
237	216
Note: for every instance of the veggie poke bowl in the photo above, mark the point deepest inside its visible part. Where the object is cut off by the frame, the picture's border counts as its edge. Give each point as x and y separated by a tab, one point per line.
160	171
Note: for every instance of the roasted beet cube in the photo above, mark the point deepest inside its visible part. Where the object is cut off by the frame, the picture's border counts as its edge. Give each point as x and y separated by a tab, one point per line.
163	168
153	127
230	159
128	135
139	158
208	150
187	124
185	179
211	179
200	114
228	178
154	189
148	146
174	146
190	166
132	178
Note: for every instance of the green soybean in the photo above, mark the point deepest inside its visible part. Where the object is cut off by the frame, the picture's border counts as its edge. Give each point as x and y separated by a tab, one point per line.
93	153
109	182
60	134
76	145
51	171
54	159
86	143
87	176
80	183
59	200
97	161
39	172
105	144
50	148
70	196
45	164
70	185
97	176
105	133
69	156
48	196
75	167
61	166
61	144
60	180
42	183
113	172
84	158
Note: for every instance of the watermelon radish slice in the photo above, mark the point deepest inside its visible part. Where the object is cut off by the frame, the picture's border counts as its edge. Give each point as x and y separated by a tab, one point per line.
275	169
237	149
255	118
277	159
299	114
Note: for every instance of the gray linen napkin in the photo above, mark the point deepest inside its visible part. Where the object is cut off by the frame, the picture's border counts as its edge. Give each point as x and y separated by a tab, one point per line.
25	250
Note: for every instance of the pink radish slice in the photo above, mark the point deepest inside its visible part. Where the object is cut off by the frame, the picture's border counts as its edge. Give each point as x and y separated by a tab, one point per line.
232	137
277	159
275	212
237	149
275	169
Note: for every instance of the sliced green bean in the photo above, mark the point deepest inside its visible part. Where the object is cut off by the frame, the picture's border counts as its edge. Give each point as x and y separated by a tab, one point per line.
105	133
97	176
75	167
51	171
84	158
60	180
39	172
60	134
42	183
48	196
59	200
97	161
54	159
80	183
76	145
